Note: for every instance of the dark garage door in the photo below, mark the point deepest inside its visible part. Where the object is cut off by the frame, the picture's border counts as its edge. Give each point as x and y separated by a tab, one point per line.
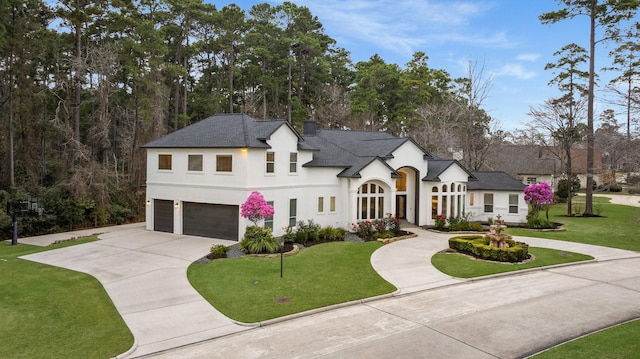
210	220
162	215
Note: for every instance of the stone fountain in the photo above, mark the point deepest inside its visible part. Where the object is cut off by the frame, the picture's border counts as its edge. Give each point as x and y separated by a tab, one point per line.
495	236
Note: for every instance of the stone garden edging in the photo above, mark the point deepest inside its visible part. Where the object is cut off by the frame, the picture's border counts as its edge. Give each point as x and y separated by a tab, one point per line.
394	239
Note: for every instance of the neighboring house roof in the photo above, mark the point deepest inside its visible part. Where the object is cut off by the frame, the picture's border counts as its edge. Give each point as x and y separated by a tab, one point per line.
495	181
354	150
578	159
223	131
437	167
519	160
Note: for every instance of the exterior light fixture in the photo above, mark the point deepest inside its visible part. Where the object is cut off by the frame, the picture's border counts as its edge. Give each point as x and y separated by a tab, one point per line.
177	205
148	203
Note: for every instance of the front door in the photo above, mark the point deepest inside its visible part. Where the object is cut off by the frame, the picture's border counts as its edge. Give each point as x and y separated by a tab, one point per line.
401	206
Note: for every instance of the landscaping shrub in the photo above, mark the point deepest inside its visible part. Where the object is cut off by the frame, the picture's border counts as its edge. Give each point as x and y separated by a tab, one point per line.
563	188
441	221
539	223
307	232
218	250
332	233
364	229
479	247
386	227
258	240
458	224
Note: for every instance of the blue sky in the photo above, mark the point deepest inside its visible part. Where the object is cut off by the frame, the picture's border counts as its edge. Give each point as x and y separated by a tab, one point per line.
503	35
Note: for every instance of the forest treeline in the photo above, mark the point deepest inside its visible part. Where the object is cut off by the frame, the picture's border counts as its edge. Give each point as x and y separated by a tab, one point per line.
85	83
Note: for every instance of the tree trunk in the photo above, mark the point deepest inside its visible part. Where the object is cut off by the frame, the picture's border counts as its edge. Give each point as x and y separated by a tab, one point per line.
588	208
78	87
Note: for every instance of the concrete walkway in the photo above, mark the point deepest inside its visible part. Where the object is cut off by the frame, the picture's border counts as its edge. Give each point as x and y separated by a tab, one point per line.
407	264
144	273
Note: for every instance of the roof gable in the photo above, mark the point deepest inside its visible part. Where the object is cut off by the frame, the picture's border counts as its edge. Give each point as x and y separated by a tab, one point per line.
438	167
354	150
222	131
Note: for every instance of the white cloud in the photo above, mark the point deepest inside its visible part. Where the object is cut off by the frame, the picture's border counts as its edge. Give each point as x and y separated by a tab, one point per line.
528	57
516	70
404	26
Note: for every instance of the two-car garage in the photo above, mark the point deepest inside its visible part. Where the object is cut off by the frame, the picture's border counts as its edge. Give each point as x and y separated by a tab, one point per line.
198	219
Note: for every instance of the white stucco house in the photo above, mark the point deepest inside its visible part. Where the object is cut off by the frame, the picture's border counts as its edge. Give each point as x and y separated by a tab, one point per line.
198	177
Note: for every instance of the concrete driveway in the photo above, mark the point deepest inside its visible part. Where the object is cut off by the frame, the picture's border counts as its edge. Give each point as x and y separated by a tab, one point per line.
144	273
504	316
437	316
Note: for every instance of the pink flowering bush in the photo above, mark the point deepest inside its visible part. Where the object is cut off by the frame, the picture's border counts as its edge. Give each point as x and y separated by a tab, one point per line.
257	239
256	208
539	196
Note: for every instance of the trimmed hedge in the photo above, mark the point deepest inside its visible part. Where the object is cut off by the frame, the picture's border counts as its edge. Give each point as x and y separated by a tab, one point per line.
479	247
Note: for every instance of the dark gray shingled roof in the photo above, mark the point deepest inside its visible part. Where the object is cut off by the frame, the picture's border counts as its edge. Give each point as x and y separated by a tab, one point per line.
223	131
437	166
495	180
350	151
353	150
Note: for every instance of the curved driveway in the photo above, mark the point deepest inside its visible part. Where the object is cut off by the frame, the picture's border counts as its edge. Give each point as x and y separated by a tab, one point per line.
508	316
144	273
431	315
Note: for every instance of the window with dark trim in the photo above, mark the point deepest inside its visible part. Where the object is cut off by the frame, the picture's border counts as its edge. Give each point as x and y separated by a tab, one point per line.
513	203
194	163
268	221
224	163
271	162
488	202
164	162
293	210
293	162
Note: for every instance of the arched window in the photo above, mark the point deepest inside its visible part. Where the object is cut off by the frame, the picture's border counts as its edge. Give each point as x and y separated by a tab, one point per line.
444	188
434	189
459	188
370	201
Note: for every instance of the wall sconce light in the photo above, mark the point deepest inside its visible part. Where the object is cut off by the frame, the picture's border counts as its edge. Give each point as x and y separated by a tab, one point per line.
148	203
243	150
177	205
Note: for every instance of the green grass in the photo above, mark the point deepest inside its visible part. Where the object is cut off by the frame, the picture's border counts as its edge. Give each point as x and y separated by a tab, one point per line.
619	227
248	289
50	312
461	266
614	343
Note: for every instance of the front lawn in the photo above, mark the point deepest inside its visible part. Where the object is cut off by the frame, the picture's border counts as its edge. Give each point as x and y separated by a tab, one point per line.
462	266
618	227
614	343
51	312
250	289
